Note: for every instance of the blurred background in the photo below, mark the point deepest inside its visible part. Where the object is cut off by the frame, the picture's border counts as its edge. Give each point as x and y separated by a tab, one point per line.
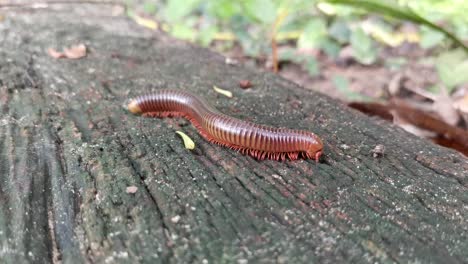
405	61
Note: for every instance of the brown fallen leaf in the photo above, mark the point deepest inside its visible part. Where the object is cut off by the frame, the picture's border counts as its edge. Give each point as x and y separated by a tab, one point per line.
55	54
418	122
461	105
245	84
444	106
401	121
74	52
443	103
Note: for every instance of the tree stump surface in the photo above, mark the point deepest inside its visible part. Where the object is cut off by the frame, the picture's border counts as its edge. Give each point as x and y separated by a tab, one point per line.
69	150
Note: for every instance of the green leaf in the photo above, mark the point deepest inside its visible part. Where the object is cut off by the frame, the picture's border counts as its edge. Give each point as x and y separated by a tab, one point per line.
430	38
250	46
363	47
331	48
452	67
224	9
149	7
261	10
342	85
183	31
339	30
206	35
313	35
395	11
312	66
177	9
289	54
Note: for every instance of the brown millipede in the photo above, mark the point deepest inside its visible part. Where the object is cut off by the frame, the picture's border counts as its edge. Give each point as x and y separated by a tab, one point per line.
256	140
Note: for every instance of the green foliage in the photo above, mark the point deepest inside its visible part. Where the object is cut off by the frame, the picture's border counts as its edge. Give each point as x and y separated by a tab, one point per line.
430	38
178	9
258	18
339	30
342	85
149	7
322	25
312	66
309	63
363	47
263	11
452	67
314	34
223	9
398	12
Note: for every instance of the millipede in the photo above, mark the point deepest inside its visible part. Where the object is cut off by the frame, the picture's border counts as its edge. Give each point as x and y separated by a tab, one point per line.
259	141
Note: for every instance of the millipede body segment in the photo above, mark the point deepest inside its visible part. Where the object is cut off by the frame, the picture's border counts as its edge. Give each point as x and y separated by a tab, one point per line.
256	140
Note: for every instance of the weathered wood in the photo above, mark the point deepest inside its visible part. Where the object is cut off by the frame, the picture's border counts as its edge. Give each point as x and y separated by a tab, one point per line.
69	150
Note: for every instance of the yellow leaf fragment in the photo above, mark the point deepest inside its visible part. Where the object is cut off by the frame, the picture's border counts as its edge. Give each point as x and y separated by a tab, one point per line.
165	27
462	104
222	91
188	142
327	8
148	23
224	36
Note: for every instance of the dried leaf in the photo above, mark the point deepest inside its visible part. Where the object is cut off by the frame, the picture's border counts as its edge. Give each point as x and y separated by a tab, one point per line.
419	122
462	104
75	52
445	107
188	142
55	54
452	67
245	84
132	189
222	91
394	86
148	23
400	121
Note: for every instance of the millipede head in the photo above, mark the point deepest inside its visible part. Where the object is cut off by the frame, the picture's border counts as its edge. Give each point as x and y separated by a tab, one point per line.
133	107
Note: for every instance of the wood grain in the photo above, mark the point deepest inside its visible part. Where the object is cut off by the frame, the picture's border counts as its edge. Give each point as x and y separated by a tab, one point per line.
69	150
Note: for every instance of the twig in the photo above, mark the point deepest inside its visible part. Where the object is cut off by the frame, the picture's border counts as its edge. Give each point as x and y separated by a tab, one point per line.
274	53
274	45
